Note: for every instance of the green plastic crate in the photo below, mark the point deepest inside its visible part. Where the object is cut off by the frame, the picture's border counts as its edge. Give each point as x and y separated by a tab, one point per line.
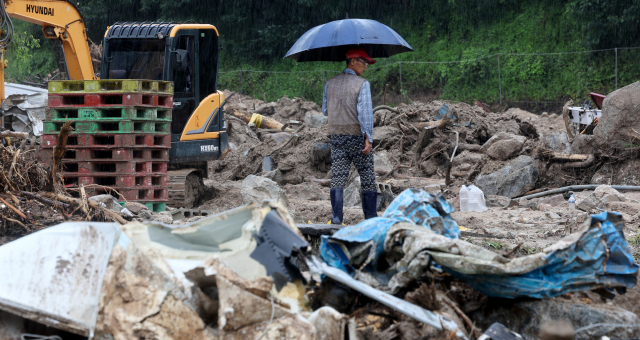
108	113
110	86
125	126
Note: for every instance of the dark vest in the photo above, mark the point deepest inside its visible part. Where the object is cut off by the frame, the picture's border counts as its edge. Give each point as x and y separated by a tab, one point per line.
342	104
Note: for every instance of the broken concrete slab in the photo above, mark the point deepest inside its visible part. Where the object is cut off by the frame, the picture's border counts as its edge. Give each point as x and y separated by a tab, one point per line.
514	179
181	213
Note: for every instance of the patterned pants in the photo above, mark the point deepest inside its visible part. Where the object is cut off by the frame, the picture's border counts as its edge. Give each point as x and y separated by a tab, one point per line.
344	150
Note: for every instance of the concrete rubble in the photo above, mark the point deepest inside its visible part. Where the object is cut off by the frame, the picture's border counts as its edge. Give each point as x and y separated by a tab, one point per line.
198	273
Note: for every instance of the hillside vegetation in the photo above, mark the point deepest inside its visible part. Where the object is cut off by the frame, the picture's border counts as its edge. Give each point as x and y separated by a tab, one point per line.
497	41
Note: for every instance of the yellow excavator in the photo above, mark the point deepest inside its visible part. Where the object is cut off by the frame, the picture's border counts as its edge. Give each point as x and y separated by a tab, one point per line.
186	54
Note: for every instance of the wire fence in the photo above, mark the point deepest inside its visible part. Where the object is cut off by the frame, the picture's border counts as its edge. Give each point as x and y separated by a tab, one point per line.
533	80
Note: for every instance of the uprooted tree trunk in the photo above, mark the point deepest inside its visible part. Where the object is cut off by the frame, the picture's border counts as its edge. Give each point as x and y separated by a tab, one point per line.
569	161
58	153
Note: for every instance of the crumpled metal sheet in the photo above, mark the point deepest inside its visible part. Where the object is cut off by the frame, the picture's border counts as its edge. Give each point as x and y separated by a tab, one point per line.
359	247
27	112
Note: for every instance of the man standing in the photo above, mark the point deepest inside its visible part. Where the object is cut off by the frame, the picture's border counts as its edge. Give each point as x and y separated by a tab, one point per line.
347	103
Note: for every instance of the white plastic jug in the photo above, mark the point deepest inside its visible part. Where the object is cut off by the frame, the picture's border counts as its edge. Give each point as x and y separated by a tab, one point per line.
464	198
476	199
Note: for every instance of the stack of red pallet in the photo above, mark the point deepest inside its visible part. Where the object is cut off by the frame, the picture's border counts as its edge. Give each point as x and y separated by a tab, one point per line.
121	139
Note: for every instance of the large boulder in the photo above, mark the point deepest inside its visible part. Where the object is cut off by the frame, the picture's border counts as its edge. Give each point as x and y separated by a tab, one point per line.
515	179
527	317
315	119
620	117
466	161
503	146
600	197
583	144
557	141
383	133
256	189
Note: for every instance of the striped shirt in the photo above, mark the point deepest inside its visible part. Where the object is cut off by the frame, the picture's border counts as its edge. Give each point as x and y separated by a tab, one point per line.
365	107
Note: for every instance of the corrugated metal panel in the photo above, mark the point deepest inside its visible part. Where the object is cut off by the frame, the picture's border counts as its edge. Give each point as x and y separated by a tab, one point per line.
12	88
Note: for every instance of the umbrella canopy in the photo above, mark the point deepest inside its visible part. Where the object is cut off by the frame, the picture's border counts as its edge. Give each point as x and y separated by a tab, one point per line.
331	41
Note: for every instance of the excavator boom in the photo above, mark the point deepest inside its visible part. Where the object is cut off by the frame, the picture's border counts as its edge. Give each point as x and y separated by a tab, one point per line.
59	19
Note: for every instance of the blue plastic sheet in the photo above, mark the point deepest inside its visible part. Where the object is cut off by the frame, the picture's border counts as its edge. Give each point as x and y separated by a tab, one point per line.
599	258
578	267
412	206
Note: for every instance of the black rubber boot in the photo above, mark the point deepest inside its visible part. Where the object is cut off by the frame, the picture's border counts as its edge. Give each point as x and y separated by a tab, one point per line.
336	205
369	204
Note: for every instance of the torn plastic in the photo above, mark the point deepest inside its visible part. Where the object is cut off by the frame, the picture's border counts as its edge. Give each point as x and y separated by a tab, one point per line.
359	247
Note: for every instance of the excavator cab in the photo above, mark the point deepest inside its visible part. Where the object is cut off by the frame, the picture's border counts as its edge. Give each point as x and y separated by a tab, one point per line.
187	55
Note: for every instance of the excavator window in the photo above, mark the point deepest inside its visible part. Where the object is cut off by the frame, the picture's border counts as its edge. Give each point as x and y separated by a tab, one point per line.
208	62
183	76
136	59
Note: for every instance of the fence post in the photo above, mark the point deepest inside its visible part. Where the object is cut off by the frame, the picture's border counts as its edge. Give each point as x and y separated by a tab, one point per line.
616	68
240	82
499	80
401	94
323	76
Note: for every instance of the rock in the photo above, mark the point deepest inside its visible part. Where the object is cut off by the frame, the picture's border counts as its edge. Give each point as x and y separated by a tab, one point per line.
557	141
553	116
289	111
630	208
315	119
163	218
552	215
527	317
544	115
285	101
255	189
266	109
544	207
583	144
497	201
557	330
619	117
621	173
516	178
381	162
145	215
466	161
107	201
278	137
310	106
600	197
274	175
503	146
384	133
352	194
554	201
135	207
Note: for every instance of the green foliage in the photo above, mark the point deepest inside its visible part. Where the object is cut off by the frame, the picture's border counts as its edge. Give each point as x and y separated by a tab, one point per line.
634	240
497	245
27	54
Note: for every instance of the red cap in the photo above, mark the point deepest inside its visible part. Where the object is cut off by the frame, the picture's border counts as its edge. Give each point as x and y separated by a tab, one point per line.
360	53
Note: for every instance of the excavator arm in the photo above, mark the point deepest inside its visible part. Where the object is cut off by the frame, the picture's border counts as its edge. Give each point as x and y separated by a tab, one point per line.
59	19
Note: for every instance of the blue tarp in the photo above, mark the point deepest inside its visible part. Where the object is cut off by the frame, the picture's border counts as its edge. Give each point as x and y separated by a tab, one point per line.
412	206
600	257
582	266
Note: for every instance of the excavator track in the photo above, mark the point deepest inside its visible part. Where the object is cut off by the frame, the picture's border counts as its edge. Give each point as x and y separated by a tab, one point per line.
186	188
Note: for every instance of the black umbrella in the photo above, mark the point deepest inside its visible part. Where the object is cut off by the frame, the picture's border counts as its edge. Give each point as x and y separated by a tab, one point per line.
331	41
